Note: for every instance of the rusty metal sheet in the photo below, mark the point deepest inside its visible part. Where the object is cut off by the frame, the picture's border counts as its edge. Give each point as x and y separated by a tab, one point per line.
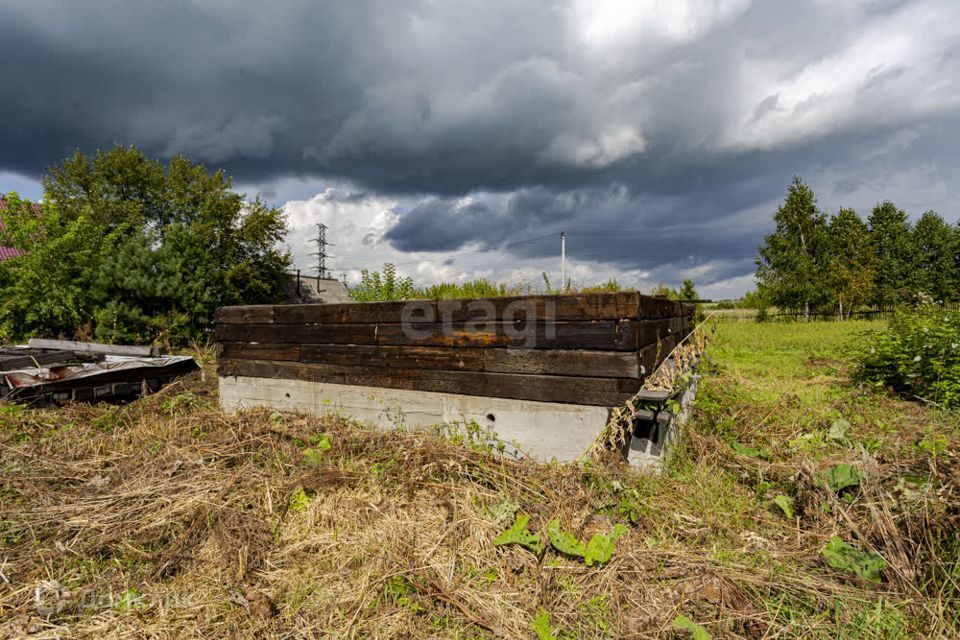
35	376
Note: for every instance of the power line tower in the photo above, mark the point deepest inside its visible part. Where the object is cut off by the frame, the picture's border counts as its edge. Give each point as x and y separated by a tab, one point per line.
321	252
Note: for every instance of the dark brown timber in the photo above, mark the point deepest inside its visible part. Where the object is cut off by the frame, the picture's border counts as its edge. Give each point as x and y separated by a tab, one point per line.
592	349
606	335
599	364
564	362
573	390
393	357
628	305
258	351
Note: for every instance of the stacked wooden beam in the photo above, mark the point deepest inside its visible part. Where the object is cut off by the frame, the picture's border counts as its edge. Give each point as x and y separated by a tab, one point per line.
591	349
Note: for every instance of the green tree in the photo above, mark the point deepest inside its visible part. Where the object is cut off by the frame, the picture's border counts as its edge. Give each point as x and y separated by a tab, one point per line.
134	249
936	256
850	263
753	300
891	241
47	289
791	271
663	291
688	291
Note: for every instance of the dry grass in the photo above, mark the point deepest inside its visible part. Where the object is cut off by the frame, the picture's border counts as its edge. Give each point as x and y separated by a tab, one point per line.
168	518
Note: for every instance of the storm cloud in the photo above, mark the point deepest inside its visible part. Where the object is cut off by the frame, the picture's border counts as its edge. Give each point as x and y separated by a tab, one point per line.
668	130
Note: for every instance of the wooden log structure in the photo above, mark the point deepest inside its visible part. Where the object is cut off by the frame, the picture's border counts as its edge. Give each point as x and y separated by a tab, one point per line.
589	349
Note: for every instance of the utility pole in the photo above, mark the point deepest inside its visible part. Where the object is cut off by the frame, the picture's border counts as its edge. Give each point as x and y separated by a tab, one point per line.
563	261
321	252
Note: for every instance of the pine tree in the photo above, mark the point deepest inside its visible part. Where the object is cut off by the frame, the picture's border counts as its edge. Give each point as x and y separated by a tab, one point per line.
851	265
936	249
791	263
891	241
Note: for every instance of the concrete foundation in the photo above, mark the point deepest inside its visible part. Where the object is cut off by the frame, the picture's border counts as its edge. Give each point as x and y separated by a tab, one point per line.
545	431
655	432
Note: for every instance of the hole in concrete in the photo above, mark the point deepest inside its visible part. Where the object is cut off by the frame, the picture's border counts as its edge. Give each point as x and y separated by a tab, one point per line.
491	417
287	394
645	435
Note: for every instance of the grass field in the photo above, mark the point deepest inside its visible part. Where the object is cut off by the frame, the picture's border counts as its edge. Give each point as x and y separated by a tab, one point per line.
167	518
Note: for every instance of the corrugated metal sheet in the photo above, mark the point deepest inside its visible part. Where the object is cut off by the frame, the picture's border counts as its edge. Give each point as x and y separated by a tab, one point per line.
53	376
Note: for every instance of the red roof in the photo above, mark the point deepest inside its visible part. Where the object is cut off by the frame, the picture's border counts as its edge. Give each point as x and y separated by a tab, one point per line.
9	252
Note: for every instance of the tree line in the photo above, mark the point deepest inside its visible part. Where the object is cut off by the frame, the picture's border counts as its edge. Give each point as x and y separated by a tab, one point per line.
837	264
124	248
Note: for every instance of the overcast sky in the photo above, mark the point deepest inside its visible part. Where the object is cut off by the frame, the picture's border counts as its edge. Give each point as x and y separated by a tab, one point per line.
459	138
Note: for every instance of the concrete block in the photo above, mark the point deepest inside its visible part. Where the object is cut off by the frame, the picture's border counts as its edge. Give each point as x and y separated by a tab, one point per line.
544	431
653	438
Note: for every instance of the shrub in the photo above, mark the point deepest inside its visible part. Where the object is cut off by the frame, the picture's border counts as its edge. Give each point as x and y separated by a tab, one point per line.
476	288
610	286
377	286
917	354
388	284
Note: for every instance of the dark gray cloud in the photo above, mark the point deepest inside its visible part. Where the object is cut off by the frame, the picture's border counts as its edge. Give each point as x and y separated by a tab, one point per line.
497	122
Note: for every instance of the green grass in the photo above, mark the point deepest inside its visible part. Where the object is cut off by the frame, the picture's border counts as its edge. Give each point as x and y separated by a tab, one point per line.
773	358
779	389
793	379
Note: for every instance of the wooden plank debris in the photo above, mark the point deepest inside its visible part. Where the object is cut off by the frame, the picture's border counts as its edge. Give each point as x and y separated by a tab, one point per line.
95	347
12	358
56	371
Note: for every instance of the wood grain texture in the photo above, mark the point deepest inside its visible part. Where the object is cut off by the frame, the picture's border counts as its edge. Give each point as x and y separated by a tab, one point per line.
591	349
394	357
625	305
258	351
95	347
599	364
564	362
262	314
622	335
357	312
575	390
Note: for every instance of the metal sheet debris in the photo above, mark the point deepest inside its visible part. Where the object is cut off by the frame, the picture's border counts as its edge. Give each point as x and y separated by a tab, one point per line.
50	376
